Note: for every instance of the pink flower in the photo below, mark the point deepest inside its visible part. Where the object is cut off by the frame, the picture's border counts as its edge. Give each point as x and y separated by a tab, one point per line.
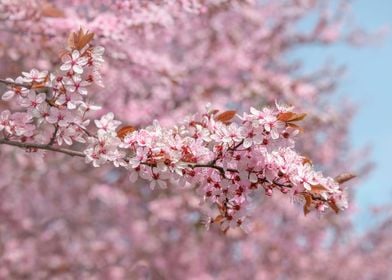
34	76
65	135
96	78
251	137
74	62
267	119
104	148
156	178
17	123
227	134
76	84
33	100
86	107
4	120
59	116
306	176
21	124
97	56
15	90
70	99
42	111
107	123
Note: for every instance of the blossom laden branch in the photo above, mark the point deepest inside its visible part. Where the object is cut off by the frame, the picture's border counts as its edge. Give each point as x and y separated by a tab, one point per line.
227	154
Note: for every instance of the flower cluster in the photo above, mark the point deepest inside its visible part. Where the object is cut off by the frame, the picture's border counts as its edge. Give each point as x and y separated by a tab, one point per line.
55	104
224	155
104	146
226	160
16	124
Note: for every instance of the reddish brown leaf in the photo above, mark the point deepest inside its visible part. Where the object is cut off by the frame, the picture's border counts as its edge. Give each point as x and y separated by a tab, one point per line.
225	117
332	204
308	203
284	117
299	117
344	177
291	117
78	40
318	189
122	132
218	219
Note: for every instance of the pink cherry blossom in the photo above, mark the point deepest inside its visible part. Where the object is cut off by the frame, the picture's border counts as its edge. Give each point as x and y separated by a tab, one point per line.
107	123
59	116
245	176
34	76
74	62
33	100
14	90
4	120
76	84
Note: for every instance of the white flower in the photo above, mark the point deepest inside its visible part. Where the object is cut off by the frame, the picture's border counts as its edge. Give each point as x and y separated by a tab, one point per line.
76	84
74	62
159	179
71	99
34	76
33	100
4	120
252	138
14	90
61	117
97	56
85	107
107	122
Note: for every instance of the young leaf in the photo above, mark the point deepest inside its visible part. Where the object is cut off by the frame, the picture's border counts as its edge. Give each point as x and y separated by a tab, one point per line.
78	40
291	117
226	116
332	204
122	132
218	219
318	189
308	203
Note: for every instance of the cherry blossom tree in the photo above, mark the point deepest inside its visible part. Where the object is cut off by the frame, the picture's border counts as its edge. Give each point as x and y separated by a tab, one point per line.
200	88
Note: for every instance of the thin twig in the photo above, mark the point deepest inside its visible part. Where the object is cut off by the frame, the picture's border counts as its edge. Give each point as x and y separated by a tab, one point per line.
42	147
53	138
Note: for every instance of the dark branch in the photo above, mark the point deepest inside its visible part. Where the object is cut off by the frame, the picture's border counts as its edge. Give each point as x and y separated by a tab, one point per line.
42	147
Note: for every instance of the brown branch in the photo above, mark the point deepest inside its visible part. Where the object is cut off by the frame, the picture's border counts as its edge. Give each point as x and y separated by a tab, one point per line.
53	138
42	147
221	170
70	152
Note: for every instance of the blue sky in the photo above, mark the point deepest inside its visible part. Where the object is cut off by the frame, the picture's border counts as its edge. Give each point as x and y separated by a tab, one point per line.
368	83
